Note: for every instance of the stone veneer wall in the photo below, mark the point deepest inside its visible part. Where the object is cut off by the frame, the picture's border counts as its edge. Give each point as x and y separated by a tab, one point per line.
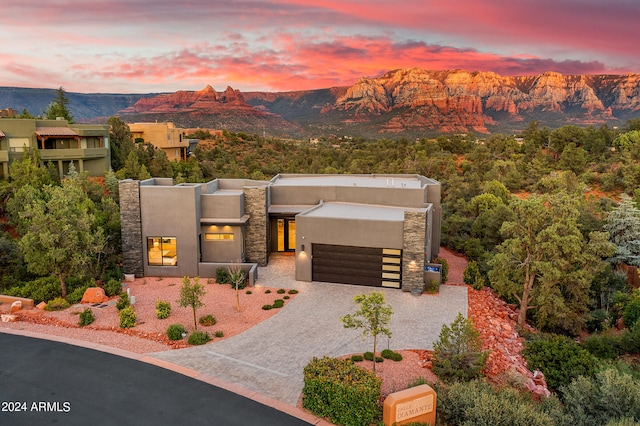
256	244
131	227
415	233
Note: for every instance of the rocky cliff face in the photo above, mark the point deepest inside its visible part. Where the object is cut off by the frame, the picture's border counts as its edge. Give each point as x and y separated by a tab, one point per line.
460	100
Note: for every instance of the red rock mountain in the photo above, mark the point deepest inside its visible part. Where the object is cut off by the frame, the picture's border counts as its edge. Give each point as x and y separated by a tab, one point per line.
406	102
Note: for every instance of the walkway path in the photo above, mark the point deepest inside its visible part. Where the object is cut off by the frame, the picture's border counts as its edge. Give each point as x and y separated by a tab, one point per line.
270	357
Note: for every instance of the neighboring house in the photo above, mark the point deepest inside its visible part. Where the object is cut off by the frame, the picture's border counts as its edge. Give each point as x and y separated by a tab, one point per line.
377	230
164	136
57	141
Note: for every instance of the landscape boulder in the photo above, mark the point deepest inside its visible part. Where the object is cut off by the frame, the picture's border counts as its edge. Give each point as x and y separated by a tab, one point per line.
94	295
16	306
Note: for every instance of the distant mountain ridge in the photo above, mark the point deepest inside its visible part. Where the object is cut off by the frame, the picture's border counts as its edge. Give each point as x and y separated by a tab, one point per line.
404	102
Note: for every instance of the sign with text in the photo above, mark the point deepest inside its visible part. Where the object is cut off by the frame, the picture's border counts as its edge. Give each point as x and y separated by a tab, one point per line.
416	404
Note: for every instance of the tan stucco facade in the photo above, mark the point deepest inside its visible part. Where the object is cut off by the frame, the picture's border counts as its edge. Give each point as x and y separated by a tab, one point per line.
237	220
165	136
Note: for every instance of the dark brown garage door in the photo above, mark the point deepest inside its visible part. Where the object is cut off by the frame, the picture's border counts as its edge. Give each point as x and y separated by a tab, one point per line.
356	265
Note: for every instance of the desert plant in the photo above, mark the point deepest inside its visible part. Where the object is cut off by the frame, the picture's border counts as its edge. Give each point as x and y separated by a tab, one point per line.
433	286
248	292
175	331
238	280
57	304
418	381
207	320
219	333
293	291
123	301
473	276
40	289
191	294
163	309
267	307
631	312
340	391
198	338
267	291
75	295
86	317
357	358
222	276
280	291
559	358
458	354
444	273
285	297
389	354
278	303
608	396
128	317
372	317
478	403
112	287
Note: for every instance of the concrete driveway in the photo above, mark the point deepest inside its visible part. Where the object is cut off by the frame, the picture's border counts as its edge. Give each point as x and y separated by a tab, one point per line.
270	357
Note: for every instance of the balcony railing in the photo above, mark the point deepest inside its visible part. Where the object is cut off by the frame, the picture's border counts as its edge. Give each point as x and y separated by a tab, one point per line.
72	154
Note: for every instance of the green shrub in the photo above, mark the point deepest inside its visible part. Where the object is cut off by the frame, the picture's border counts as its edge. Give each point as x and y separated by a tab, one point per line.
222	276
278	303
389	354
40	289
280	291
75	296
369	357
267	291
86	317
340	391
219	333
248	292
445	268
356	358
267	307
631	312
559	358
473	276
608	396
128	317
293	291
604	346
163	309
598	320
112	287
458	354
432	287
174	331
199	338
285	297
478	403
57	304
417	382
207	320
123	301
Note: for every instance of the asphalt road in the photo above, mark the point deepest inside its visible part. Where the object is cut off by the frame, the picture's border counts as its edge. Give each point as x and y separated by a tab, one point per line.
46	382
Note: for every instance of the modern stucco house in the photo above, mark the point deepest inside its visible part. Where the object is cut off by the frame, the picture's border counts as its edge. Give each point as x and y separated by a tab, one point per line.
57	141
377	230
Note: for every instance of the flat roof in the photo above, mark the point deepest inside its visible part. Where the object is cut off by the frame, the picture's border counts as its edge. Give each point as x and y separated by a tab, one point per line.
289	209
366	181
339	210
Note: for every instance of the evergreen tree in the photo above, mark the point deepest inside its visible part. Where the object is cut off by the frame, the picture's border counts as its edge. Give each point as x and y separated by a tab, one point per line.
59	107
623	225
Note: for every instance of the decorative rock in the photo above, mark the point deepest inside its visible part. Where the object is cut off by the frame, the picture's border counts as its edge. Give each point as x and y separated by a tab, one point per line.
129	277
9	318
16	306
94	295
41	305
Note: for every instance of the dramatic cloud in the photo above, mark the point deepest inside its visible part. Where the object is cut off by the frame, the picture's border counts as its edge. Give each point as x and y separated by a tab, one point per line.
163	45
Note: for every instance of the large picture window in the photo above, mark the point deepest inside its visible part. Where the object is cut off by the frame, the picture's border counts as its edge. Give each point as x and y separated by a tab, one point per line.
162	251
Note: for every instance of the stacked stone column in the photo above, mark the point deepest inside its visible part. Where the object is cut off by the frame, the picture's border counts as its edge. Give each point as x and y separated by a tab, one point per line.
415	233
255	205
131	227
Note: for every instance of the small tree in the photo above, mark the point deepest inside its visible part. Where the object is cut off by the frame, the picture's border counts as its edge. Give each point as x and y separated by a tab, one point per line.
237	277
373	317
457	355
191	294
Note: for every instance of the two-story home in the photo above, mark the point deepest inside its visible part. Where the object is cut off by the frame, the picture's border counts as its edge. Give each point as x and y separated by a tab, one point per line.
164	136
57	141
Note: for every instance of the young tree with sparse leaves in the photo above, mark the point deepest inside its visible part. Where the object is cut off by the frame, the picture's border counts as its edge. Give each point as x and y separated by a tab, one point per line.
191	294
372	317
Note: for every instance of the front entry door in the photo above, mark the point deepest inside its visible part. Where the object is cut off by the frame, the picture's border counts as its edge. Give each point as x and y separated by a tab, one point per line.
286	234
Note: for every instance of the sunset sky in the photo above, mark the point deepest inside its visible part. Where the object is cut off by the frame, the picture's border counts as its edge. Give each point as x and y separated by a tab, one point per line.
143	46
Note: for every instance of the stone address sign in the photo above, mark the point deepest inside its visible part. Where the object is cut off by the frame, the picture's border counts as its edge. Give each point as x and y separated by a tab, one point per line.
416	404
